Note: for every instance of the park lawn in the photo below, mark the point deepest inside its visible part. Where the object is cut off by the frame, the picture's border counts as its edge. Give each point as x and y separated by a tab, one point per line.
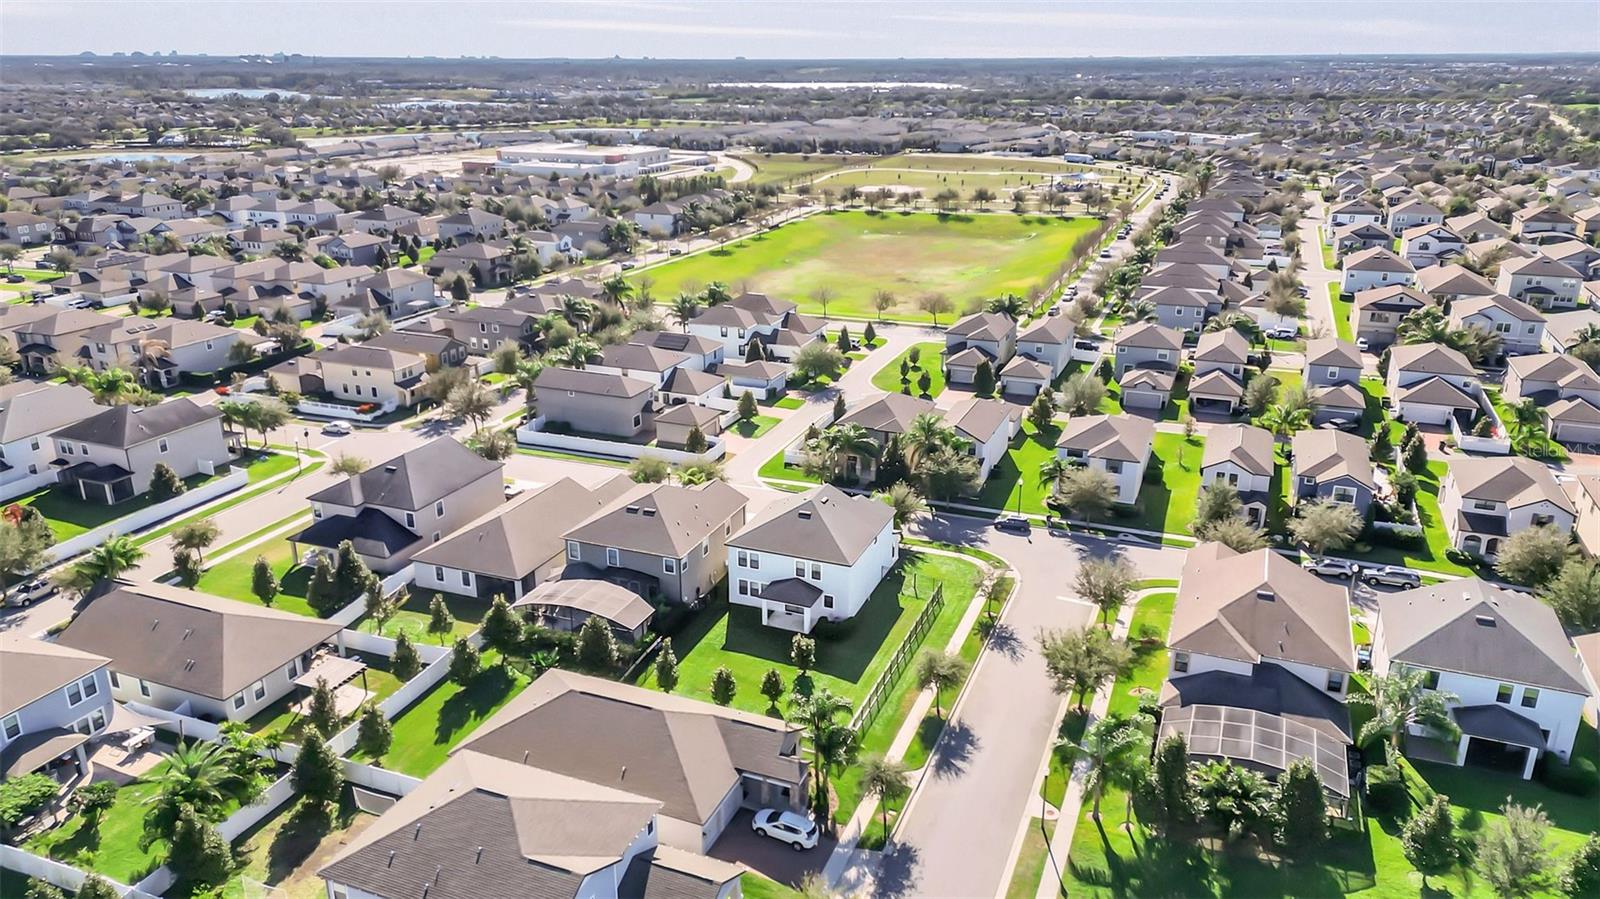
932	182
754	427
855	254
1343	309
1168	504
788	168
850	654
280	717
284	850
425	733
1013	484
931	353
1031	860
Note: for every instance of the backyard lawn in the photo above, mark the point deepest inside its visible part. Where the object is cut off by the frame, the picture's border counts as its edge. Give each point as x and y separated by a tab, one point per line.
1014	481
1432	556
284	851
754	427
855	254
776	469
1168	505
280	718
850	654
426	732
931	353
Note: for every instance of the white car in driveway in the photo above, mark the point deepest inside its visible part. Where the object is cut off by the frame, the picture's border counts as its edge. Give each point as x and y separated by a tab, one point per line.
786	826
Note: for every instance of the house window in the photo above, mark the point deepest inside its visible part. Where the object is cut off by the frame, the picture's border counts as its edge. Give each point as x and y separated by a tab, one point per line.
90	688
1431	680
744	587
799	569
74	694
613	557
827	600
411	520
438	508
162	446
115	683
669	566
1346	495
816	571
705	548
97	720
294	668
259	690
1530	698
436	536
744	560
1113	466
637	419
466	578
13	727
572	551
1161	355
1483	505
238	701
1503	695
144	689
1180	662
1335	682
438	573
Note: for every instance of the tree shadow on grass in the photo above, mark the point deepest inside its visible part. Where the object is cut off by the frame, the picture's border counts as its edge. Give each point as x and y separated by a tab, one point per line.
296	840
473	702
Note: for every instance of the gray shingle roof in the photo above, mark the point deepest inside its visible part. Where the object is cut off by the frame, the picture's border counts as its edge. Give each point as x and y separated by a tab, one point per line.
413	479
130	425
515	539
825	525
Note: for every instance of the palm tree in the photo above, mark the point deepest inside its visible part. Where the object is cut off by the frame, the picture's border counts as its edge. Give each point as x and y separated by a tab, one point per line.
838	443
885	779
928	432
906	502
684	307
1111	746
1400	701
113	558
1238	321
1283	419
1052	470
1527	428
1009	305
575	354
579	311
196	774
1425	325
617	289
526	374
833	743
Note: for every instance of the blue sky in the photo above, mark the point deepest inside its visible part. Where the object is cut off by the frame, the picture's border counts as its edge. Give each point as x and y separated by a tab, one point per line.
808	30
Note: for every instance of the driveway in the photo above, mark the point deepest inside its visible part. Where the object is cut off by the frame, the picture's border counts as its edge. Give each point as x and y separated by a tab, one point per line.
767	857
961	825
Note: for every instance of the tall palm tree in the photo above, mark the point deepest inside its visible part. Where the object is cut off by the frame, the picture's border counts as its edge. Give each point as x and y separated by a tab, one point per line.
928	432
1110	746
886	779
113	558
198	775
1400	701
617	289
1052	471
1283	420
836	444
1010	305
684	308
1527	428
833	742
526	374
579	311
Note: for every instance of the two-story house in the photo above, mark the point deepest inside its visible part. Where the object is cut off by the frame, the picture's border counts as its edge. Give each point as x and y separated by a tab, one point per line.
1241	457
1119	446
1257	641
201	655
815	557
1448	283
885	418
1519	326
1540	281
438	349
1378	312
1412	213
482	328
1566	390
1220	360
1377	267
162	350
472	224
1429	382
1146	345
1533	222
48	337
395	508
53	699
987	426
660	540
357	373
1517	686
1179	308
111	456
1430	244
1332	466
1330	361
595	402
981	337
1485	500
25	229
30	412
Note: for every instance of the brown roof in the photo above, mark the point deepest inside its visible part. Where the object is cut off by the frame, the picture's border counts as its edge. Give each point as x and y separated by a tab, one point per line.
665	520
1326	455
1246	446
1513	480
191	641
684	753
1332	351
826	524
514	539
1260	605
891	413
1122	438
34	669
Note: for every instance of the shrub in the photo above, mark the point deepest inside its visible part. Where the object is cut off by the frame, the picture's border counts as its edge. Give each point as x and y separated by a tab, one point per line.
22	796
1577	777
1386	789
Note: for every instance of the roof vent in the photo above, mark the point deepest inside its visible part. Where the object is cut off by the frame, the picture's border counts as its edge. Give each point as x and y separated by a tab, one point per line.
1485	621
188	664
391	469
1266	595
632	510
624	774
391	858
649	513
186	633
478	857
805	514
417	832
155	623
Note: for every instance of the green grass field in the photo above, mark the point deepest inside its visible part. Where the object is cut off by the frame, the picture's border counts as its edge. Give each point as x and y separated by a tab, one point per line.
930	355
1344	311
789	168
855	254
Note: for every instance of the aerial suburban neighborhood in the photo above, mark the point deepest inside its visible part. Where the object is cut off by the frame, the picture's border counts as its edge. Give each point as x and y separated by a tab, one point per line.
799	450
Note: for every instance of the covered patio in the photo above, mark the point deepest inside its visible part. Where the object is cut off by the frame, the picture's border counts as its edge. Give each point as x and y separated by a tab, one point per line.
791	604
1499	732
108	484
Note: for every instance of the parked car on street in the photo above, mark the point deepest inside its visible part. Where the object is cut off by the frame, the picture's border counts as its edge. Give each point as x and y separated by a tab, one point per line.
1013	523
786	826
1392	576
1331	567
337	428
30	592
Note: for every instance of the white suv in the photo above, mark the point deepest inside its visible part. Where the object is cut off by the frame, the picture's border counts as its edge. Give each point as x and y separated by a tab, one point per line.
1331	567
786	826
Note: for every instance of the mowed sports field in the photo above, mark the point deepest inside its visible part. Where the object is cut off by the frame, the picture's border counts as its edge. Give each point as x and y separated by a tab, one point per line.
968	258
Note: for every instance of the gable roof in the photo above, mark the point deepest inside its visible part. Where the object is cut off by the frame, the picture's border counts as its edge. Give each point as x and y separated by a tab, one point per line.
1148	335
1472	627
666	520
1377	259
514	539
825	525
34	669
1332	351
681	752
192	641
413	479
1260	605
980	419
29	408
1226	345
597	383
129	425
984	326
1430	358
1468	306
1246	446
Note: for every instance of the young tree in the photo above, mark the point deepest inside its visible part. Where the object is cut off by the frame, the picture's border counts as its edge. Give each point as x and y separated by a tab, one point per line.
695	441
1087	493
196	536
1083	393
1401	700
165	483
747	406
322	593
440	621
1429	839
1042	411
1575	595
650	469
466	662
884	779
1325	525
1171	793
803	653
373	732
406	662
197	851
666	667
263	583
1079	662
1581	876
1302	810
869	334
833	742
1259	394
935	305
723	686
939	671
1513	855
317	775
1114	748
322	712
350	574
92	800
772	686
597	647
381	608
1218	501
906	502
1534	555
460	291
186	566
838	406
1234	533
817	360
843	340
983	380
1108	583
1415	456
502	629
24	544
